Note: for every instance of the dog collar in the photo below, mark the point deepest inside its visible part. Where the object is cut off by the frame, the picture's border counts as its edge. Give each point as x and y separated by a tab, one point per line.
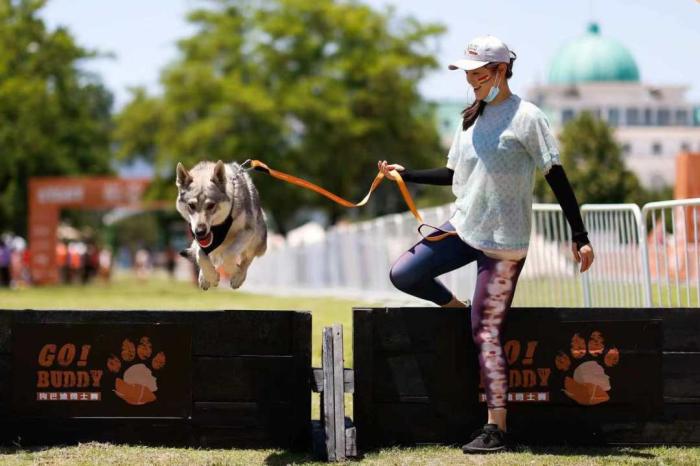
219	233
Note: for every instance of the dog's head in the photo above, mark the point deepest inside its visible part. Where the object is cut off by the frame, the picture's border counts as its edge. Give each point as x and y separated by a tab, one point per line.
202	199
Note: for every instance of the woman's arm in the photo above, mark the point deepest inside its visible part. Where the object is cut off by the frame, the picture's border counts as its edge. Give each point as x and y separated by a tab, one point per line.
438	176
557	180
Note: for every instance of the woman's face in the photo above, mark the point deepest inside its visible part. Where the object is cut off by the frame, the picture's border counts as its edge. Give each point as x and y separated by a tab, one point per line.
481	79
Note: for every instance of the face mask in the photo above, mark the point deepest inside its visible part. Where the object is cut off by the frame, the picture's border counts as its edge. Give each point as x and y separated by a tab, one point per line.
493	92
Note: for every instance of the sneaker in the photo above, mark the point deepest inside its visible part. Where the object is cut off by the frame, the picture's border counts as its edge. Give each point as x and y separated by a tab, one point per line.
486	440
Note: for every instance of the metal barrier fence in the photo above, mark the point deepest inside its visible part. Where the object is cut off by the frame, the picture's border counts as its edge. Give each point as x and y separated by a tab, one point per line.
617	279
644	258
673	256
353	260
551	277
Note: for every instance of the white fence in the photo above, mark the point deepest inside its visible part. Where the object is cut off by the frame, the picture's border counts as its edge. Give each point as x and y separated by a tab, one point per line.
352	260
551	277
673	254
646	257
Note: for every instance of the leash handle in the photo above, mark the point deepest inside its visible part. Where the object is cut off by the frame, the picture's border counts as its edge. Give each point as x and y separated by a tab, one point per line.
443	233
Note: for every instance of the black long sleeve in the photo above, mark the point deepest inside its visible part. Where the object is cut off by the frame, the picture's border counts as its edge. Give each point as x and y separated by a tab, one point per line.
557	180
438	176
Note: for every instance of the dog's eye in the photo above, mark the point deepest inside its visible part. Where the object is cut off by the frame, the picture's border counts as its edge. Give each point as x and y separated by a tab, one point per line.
192	207
210	206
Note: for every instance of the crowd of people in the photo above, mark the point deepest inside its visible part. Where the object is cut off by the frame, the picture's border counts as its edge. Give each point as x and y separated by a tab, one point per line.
144	260
82	261
82	258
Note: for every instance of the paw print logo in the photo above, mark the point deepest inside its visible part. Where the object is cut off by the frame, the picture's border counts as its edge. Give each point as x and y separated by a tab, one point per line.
589	384
137	386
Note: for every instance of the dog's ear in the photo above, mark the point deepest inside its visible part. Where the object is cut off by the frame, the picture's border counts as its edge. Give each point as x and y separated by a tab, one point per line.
183	178
219	176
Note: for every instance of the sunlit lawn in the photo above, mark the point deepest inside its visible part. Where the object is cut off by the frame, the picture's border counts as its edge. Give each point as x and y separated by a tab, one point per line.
568	292
101	454
165	295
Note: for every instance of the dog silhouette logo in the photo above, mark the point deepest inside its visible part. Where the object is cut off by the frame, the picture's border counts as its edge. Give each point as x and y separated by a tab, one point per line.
589	384
137	384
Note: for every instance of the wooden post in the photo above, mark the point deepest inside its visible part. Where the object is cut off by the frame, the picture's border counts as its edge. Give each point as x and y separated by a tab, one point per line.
333	399
333	381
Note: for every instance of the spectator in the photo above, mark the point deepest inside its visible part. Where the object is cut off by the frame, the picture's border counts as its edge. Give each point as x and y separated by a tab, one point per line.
105	264
5	261
170	260
62	261
142	263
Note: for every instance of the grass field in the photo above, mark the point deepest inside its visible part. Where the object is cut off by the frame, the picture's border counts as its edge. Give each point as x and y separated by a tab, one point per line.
567	292
162	294
102	454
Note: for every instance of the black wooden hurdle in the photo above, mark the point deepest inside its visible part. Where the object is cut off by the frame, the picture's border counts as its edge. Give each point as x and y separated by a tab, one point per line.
230	378
244	378
416	377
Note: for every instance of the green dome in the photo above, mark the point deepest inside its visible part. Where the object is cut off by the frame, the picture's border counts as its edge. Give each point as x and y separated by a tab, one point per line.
593	58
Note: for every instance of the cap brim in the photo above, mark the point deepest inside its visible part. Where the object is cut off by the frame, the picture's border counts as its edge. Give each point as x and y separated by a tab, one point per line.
467	65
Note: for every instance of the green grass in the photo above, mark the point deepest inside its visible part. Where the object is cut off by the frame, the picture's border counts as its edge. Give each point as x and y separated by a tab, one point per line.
162	294
105	454
568	292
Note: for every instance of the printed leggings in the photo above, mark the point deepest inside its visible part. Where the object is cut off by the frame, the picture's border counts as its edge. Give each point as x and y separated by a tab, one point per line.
415	273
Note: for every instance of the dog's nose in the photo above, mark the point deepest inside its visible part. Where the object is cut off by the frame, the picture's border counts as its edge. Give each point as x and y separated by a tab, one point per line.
200	231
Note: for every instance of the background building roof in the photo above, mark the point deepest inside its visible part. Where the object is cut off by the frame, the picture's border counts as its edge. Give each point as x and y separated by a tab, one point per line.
593	58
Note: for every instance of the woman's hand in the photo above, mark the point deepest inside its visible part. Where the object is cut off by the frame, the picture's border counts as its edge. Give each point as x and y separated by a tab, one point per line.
387	168
584	256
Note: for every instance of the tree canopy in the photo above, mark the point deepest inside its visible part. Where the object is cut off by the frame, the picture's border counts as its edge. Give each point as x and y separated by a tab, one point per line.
54	118
594	165
318	88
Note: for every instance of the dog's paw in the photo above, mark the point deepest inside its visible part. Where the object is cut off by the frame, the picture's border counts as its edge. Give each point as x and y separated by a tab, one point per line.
203	282
206	283
237	279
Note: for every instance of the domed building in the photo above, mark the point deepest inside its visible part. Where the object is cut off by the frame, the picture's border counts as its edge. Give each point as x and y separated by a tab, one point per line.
652	123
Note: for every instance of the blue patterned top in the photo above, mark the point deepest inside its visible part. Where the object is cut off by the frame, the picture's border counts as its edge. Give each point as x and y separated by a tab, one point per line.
494	163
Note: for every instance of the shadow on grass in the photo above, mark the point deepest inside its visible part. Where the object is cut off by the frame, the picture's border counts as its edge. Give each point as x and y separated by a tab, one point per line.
584	451
8	451
274	459
286	458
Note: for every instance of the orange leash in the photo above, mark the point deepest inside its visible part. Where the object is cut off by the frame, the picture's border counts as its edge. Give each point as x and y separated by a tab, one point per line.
262	167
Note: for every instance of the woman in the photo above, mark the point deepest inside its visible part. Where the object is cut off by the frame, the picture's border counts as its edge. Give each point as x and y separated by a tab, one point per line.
490	166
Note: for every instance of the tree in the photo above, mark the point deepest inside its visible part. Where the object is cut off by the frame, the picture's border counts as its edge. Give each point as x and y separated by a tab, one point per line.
54	118
318	88
594	165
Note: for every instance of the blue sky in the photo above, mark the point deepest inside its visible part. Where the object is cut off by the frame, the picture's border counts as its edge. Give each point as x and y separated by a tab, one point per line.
662	35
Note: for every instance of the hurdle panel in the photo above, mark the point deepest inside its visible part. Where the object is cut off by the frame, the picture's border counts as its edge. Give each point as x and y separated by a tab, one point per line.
242	378
416	376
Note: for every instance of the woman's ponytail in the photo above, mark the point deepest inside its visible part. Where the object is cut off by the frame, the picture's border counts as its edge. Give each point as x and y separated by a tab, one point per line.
471	113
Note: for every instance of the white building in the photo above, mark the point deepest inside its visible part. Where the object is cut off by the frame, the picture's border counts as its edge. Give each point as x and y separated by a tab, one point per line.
652	123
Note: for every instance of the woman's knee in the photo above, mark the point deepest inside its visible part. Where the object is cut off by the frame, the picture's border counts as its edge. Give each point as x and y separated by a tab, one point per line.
403	277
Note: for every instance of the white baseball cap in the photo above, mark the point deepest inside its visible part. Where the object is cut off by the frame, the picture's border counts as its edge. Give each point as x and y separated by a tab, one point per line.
481	51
